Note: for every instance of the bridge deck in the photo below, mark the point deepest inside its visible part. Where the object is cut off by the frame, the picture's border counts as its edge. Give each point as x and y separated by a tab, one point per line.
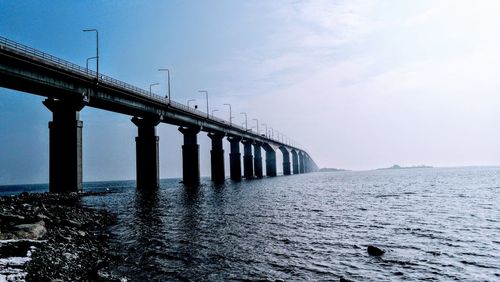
29	70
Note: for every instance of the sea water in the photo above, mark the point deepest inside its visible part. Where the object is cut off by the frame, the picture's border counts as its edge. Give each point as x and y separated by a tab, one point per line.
436	224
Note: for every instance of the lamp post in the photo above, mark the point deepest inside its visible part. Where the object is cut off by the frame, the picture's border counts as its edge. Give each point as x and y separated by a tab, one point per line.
190	100
230	114
266	128
213	112
246	123
206	96
257	125
168	85
151	85
87	64
97	49
272	132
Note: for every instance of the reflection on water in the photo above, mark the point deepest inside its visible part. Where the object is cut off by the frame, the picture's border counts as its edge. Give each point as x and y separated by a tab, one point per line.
437	224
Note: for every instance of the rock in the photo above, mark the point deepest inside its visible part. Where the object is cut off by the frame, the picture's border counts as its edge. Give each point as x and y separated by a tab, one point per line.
11	217
43	217
30	231
342	279
69	256
71	251
72	223
374	251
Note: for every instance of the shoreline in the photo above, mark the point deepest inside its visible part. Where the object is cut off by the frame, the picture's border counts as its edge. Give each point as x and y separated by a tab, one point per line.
47	237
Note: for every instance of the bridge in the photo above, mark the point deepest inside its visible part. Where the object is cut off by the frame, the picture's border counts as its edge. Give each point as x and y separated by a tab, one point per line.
69	87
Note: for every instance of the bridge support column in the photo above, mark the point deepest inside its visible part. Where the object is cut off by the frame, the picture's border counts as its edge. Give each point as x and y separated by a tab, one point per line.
307	164
295	162
301	162
190	156
247	159
217	157
286	160
270	160
147	157
235	158
65	148
257	151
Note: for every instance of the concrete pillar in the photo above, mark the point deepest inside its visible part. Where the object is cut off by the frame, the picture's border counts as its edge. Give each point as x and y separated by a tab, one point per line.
286	160
257	164
270	160
217	157
65	146
147	149
235	158
190	156
295	162
247	159
301	162
306	166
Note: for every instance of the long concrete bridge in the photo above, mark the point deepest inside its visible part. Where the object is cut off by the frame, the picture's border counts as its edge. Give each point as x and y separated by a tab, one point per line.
70	87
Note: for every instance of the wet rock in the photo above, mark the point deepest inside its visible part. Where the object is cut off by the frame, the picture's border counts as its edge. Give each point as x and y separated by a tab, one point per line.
30	231
374	251
72	223
75	237
43	217
7	217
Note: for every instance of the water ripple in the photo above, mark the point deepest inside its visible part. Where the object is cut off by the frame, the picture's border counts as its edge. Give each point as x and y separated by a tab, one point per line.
435	224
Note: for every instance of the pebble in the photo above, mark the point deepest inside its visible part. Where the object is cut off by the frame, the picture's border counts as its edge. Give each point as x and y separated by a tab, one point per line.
70	248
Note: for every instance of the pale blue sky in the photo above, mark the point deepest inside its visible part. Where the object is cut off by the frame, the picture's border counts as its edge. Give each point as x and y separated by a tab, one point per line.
361	84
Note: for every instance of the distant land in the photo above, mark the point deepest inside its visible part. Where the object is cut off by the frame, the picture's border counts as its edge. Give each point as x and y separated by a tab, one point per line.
405	167
330	169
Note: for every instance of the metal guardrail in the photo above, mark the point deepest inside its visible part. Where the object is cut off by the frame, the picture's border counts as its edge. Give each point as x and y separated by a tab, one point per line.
59	63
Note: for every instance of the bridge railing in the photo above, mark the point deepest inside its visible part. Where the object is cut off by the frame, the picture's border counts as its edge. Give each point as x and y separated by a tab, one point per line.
45	58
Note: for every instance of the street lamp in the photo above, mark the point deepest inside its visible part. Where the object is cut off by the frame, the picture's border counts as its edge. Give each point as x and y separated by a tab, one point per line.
272	132
266	128
190	100
151	85
213	112
246	123
206	96
97	49
87	65
257	125
168	85
230	114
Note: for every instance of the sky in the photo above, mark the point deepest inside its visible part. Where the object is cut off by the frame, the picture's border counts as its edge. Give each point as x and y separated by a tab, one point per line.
359	84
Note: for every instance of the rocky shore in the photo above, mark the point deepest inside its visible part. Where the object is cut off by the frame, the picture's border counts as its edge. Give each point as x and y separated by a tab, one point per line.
53	237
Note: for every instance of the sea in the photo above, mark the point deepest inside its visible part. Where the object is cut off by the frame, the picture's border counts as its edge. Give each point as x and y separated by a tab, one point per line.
435	224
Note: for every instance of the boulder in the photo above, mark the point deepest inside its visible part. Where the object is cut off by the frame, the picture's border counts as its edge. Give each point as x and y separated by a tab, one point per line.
30	231
374	251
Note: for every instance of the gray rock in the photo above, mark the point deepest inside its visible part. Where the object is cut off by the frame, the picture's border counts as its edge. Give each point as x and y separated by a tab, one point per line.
11	217
30	231
374	251
72	223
